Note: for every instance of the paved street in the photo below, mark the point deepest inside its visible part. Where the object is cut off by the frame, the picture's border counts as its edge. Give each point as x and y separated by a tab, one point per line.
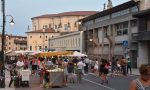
90	82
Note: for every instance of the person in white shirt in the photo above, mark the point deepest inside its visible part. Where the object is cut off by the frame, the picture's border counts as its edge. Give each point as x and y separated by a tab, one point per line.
20	65
80	67
96	67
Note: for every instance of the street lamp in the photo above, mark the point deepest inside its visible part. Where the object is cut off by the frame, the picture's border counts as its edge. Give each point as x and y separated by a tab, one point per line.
12	20
2	66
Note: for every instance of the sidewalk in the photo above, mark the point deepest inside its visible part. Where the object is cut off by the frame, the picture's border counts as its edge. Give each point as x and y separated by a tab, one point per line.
7	80
135	71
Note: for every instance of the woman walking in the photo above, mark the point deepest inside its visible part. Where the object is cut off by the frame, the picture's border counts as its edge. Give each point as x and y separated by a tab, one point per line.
143	82
104	68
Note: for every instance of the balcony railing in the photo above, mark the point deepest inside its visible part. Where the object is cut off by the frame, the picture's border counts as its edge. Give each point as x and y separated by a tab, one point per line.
144	35
20	42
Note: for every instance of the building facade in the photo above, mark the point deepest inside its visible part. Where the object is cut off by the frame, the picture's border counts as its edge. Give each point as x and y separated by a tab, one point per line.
143	36
111	32
38	40
61	22
55	24
68	42
13	42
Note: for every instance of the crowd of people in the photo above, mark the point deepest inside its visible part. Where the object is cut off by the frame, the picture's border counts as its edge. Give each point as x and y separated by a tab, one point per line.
74	68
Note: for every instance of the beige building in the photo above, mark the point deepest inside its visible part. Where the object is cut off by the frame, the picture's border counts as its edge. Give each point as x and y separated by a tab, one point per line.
51	25
61	22
13	42
38	40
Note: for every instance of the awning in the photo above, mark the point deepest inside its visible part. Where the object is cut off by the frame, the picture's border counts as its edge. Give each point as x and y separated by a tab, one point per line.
54	53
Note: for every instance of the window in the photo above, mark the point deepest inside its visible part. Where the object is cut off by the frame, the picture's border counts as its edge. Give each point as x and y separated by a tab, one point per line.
49	25
68	25
40	47
21	48
65	27
16	48
122	28
134	9
75	24
46	47
34	27
45	36
40	36
60	25
106	31
30	36
30	47
45	26
55	26
133	23
9	47
9	43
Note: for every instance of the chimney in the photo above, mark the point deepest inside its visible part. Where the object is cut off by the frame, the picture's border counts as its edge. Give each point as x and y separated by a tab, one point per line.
143	4
28	28
109	4
104	6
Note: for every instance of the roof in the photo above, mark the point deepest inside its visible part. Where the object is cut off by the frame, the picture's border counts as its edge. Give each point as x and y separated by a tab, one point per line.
48	30
111	10
73	13
13	36
142	13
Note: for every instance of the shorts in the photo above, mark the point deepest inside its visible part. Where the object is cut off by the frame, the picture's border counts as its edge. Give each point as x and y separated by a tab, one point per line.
79	71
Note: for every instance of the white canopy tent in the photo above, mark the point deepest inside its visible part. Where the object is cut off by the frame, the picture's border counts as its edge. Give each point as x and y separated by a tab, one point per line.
78	54
27	52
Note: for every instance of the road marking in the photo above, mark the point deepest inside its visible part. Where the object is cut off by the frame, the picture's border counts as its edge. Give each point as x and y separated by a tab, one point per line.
98	84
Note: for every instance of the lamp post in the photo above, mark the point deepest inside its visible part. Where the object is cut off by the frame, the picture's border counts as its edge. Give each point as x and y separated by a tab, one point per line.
2	65
2	38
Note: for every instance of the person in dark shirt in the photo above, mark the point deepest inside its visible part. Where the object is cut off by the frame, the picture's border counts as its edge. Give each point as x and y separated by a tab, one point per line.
71	72
104	66
129	65
13	73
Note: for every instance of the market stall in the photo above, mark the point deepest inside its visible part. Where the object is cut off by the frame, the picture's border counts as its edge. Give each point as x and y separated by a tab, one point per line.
56	77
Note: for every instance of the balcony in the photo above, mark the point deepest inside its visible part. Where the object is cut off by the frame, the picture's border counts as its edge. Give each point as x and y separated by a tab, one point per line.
144	35
22	42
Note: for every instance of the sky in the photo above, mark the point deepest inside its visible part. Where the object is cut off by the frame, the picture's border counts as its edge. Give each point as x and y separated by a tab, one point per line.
23	10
